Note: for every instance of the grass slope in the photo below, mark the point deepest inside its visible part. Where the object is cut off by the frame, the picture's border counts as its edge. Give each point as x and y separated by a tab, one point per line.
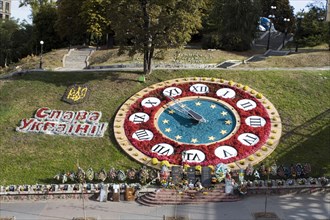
301	97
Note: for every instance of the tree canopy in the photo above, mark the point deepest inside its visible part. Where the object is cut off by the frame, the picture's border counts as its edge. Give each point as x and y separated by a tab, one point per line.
234	24
143	25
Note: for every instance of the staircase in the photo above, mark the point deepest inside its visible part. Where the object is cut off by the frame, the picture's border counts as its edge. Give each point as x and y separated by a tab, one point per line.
77	59
174	197
275	41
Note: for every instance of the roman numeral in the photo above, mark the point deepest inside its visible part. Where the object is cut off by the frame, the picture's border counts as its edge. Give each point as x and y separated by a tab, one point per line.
173	91
246	104
226	93
248	139
255	122
162	149
199	89
225	154
138	118
149	102
192	156
142	135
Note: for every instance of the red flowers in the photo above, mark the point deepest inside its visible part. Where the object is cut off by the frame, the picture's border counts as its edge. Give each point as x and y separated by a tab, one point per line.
243	151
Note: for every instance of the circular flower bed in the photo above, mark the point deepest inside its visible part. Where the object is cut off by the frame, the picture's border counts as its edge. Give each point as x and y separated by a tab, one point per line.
253	153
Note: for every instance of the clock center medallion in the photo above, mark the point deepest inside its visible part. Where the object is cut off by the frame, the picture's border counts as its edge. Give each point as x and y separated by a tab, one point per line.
221	121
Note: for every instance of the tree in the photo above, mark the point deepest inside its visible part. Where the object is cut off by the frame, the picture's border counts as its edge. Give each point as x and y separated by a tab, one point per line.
35	4
96	14
44	27
71	24
141	26
7	29
235	23
23	41
313	30
283	10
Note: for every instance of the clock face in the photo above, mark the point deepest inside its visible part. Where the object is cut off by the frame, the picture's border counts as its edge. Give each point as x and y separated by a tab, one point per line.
198	121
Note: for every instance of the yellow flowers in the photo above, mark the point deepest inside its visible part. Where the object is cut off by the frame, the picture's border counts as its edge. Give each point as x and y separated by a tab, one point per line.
270	142
154	161
245	88
198	168
259	95
166	163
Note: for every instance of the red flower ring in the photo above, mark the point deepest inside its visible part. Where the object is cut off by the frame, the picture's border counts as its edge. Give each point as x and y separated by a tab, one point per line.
257	132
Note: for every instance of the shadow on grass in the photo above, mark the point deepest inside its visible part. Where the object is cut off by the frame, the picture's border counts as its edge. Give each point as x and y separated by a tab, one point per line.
308	143
80	77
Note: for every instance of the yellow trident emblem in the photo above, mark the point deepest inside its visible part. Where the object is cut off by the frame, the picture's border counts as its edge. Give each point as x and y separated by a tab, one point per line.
77	93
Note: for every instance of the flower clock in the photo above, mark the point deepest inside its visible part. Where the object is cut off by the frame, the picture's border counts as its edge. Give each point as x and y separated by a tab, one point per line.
198	121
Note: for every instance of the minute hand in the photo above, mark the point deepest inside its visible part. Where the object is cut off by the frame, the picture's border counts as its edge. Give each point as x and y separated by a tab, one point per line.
187	111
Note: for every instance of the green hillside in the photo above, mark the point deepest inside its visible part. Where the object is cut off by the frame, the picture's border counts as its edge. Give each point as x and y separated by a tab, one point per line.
301	97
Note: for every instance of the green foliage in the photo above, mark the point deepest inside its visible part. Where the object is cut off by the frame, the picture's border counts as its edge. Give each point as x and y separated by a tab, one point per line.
235	23
7	30
313	29
22	41
283	10
35	4
96	14
44	22
143	25
70	25
15	41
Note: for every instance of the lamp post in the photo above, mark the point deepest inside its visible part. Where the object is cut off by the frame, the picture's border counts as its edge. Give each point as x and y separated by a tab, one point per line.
41	50
271	16
299	18
286	20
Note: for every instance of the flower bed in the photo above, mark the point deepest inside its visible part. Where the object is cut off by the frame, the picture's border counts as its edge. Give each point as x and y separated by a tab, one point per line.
242	150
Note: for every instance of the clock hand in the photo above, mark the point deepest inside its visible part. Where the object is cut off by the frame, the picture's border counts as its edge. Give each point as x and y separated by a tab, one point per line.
185	110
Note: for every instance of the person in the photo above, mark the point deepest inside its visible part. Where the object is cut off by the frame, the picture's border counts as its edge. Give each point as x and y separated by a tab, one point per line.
191	185
198	184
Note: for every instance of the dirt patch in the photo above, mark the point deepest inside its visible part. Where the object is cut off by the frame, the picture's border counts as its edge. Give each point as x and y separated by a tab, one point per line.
265	216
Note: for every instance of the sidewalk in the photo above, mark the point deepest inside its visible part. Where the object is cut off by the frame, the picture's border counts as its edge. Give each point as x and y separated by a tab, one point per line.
291	206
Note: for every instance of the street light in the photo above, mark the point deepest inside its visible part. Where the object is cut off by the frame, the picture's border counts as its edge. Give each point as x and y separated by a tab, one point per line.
286	20
299	17
271	16
41	50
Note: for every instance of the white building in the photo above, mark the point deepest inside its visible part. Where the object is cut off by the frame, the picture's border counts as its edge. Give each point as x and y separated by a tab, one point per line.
5	9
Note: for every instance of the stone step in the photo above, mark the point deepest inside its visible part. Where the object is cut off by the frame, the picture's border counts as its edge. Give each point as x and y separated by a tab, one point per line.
197	200
172	197
77	58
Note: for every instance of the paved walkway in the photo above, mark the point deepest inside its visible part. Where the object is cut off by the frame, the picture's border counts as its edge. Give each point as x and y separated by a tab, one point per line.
286	207
76	59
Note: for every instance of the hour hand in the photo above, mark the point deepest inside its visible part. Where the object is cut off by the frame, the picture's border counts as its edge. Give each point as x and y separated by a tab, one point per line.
186	111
